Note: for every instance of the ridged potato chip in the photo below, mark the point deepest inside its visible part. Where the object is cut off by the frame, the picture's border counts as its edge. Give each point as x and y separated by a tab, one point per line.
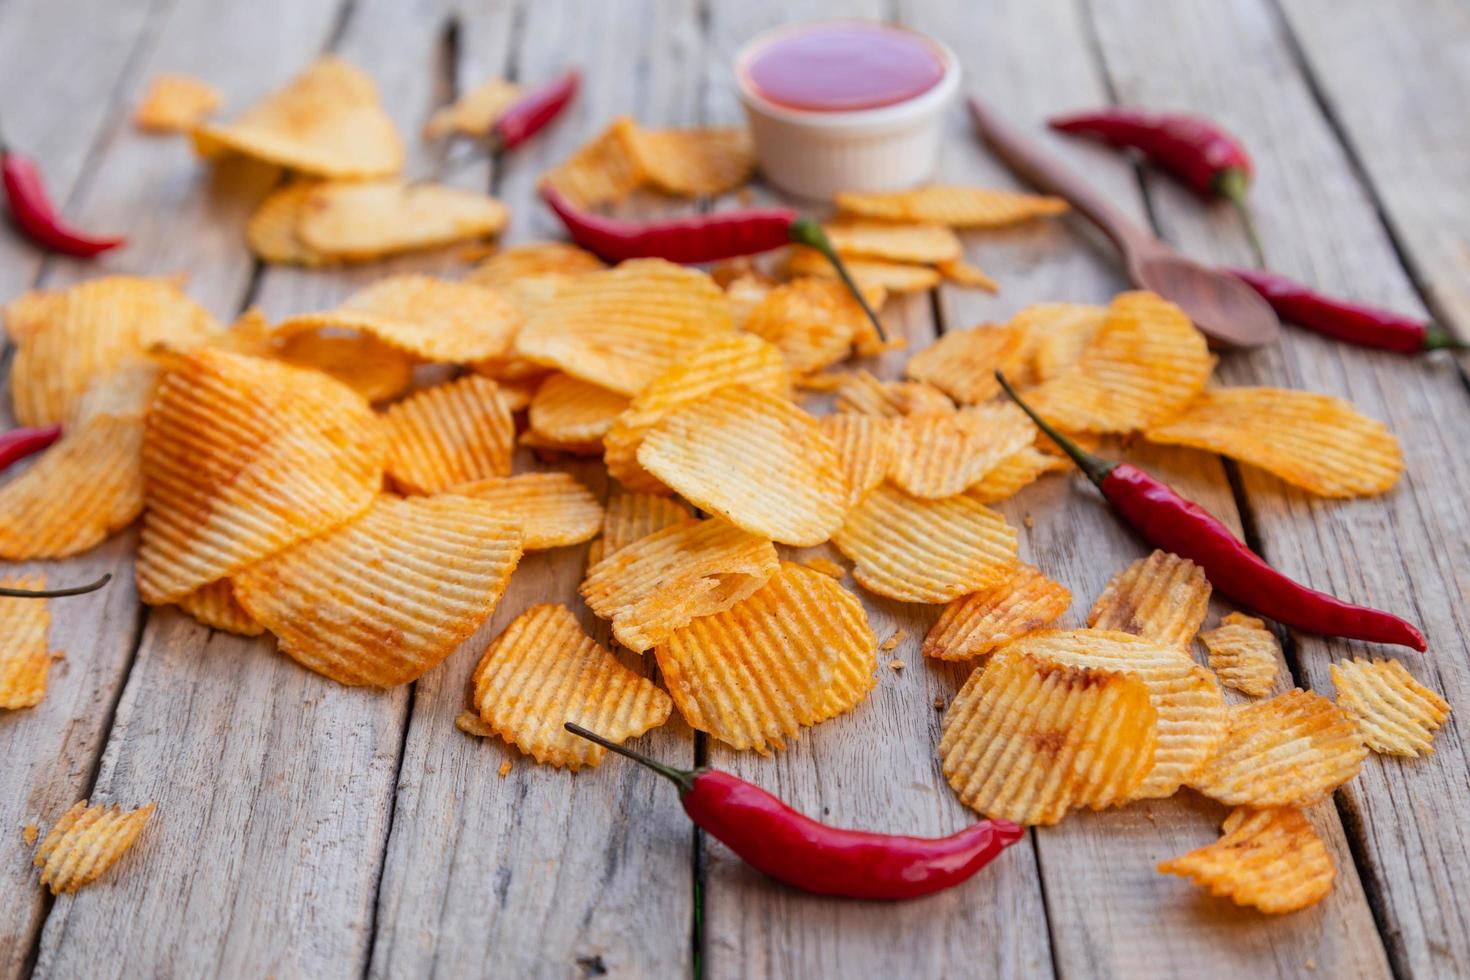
1271	860
1396	714
813	322
1056	335
1244	653
1289	750
975	624
925	550
754	459
384	598
1027	739
826	566
474	112
893	277
962	364
962	273
864	448
553	509
175	104
242	457
744	294
568	409
125	394
602	171
25	659
214	606
624	327
920	244
449	434
327	121
938	456
694	162
1163	598
549	449
544	671
271	230
793	653
1316	442
862	393
957	207
533	260
658	583
370	219
362	362
87	841
1014	473
631	516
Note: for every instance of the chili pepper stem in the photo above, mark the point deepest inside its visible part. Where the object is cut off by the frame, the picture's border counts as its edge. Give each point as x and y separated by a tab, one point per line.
1232	185
683	778
1437	337
805	231
56	593
1095	468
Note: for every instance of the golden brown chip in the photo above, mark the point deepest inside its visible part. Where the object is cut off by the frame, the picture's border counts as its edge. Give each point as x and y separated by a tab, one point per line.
957	207
362	362
1010	475
251	333
175	104
24	657
1163	598
925	550
940	455
962	273
1028	739
693	162
1317	442
754	459
631	516
603	171
474	112
864	447
1289	750
920	244
864	394
471	723
1396	714
1269	859
1055	334
893	277
126	393
549	449
553	509
813	322
793	653
366	220
962	364
1244	653
544	671
826	566
214	606
534	260
975	624
243	456
449	434
271	230
85	842
568	409
658	583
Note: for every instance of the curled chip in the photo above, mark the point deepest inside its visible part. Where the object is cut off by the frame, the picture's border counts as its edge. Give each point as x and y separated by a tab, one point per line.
1163	598
603	171
568	409
532	261
1056	335
920	244
1289	750
660	582
473	113
326	122
175	104
1144	364
1268	859
543	671
367	220
271	230
864	448
361	361
925	550
1027	739
67	338
957	207
693	162
1012	474
624	327
940	455
893	277
794	653
962	364
813	322
631	516
449	434
434	319
864	394
1396	714
1187	698
1244	653
1316	442
85	842
553	509
754	459
214	606
962	273
242	457
24	657
975	624
726	359
386	597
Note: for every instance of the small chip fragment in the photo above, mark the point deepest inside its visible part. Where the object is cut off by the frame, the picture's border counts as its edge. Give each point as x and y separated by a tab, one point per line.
85	842
1024	601
864	447
892	277
1163	598
630	516
568	409
474	112
920	244
962	273
24	657
957	207
175	104
893	641
214	605
963	363
271	230
1268	859
361	220
449	434
471	723
862	393
553	509
1396	714
1245	653
941	455
813	322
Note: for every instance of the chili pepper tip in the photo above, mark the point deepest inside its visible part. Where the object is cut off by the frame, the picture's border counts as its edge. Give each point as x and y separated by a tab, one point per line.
1095	468
56	593
683	778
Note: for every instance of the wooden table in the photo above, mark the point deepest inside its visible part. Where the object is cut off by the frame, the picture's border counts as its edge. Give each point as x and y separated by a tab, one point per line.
308	829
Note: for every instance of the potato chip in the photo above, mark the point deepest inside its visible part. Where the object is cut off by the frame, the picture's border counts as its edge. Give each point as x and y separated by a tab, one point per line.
471	723
603	171
326	122
175	104
624	327
1289	750
794	653
1055	335
693	162
1270	860
1187	698
1028	739
957	207
744	294
553	509
725	359
920	244
940	455
366	220
373	369
962	273
925	550
243	456
963	363
1316	442
544	671
811	321
1024	601
214	606
864	394
893	277
25	658
1144	364
1163	598
449	434
532	260
65	339
826	566
125	394
631	516
512	368
550	448
1396	714
474	112
1244	653
251	333
1012	474
754	459
271	230
864	448
85	842
568	409
660	582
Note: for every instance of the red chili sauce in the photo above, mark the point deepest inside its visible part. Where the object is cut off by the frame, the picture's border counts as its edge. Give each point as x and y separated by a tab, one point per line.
840	66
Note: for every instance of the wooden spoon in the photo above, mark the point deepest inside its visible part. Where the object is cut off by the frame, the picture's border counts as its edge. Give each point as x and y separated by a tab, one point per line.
1225	309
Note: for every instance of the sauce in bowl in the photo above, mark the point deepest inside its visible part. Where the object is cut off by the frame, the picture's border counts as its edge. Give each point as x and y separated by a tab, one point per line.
843	66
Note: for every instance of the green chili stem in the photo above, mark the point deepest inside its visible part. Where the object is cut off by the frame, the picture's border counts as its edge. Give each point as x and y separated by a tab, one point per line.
56	593
806	231
683	778
1437	337
1096	468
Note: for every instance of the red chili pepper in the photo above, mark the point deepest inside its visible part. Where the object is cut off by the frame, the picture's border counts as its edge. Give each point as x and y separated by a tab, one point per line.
806	854
17	444
701	238
1354	323
530	114
36	217
55	593
1171	522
